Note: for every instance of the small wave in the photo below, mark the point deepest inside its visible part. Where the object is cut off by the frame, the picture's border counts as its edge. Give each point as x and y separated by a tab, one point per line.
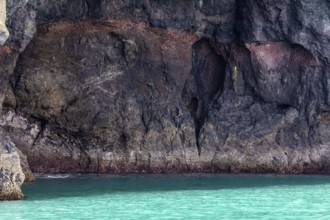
54	176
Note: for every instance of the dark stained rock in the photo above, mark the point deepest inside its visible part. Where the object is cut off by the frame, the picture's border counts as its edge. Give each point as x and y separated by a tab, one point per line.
169	86
300	22
8	60
111	103
216	7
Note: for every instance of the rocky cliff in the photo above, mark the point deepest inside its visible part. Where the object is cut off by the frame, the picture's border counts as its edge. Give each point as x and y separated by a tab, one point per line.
168	86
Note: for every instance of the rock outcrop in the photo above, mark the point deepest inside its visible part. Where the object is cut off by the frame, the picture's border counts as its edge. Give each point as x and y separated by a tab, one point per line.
168	86
11	175
4	34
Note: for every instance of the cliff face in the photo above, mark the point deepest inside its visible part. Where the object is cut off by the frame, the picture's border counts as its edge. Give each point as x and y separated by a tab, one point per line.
161	86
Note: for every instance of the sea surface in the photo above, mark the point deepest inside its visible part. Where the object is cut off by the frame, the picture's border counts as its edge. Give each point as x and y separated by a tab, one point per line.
182	196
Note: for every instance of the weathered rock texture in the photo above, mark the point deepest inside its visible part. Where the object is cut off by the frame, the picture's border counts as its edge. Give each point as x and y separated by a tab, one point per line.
4	34
162	86
11	175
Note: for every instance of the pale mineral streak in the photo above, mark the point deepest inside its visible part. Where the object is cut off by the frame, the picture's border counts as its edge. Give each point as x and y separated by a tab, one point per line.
4	34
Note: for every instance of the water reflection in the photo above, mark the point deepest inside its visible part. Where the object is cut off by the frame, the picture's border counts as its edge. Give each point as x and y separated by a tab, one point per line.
65	185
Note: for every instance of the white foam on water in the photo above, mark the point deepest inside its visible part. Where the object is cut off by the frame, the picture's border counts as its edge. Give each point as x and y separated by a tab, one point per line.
53	176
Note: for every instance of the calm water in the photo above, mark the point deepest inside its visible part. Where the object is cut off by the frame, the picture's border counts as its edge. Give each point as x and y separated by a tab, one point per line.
172	197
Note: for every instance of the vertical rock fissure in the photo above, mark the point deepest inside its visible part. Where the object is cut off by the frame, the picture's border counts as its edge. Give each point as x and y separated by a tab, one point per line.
40	134
93	8
197	74
206	81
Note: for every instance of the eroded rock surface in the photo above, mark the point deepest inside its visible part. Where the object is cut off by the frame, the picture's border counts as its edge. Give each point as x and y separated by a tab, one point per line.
4	34
11	175
168	86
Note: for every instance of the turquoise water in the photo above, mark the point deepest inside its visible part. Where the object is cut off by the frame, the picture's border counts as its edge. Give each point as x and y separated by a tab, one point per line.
188	196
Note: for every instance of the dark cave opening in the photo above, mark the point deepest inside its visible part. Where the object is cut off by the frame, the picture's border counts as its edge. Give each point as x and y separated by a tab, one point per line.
122	139
193	106
283	106
206	82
